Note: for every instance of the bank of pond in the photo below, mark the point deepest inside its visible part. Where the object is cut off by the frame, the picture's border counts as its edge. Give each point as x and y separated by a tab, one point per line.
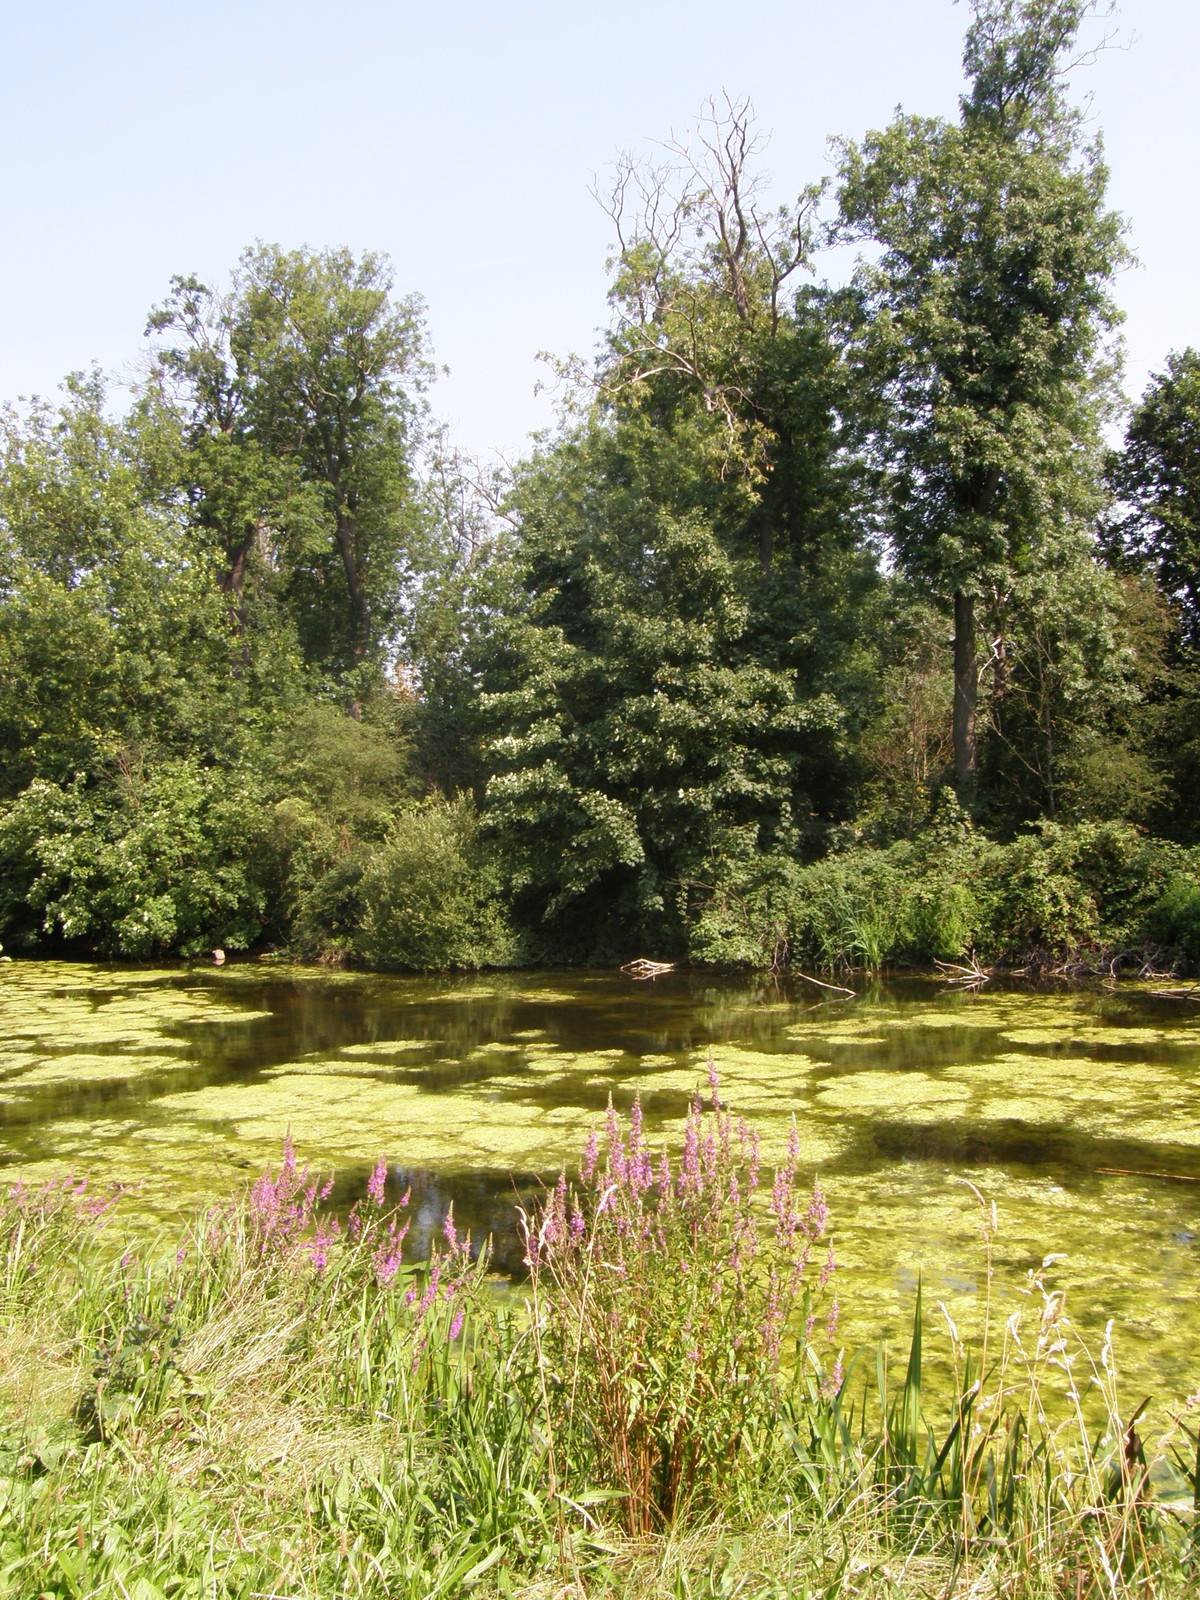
370	1291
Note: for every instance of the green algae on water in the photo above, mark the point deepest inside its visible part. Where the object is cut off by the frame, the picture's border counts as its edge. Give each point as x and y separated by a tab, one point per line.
1077	1112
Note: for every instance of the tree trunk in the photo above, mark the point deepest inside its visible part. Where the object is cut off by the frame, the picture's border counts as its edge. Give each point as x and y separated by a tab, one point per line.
233	582
965	688
1051	805
765	544
359	622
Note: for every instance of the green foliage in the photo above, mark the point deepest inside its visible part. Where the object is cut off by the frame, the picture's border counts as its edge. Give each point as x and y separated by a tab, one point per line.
429	894
112	634
1157	476
1175	916
338	782
1060	892
165	860
299	394
639	735
695	641
983	321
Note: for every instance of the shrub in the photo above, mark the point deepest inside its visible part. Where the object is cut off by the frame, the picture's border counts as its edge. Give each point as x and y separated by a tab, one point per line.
1175	917
168	858
944	920
1041	903
430	897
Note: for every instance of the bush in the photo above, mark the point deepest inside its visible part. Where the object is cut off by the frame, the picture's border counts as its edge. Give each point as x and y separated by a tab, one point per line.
662	1302
1051	894
430	897
165	859
1175	917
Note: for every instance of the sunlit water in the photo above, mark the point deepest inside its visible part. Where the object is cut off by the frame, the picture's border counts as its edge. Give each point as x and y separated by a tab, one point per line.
1077	1113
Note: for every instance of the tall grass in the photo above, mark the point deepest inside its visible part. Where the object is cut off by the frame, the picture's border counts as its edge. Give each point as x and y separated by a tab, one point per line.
280	1404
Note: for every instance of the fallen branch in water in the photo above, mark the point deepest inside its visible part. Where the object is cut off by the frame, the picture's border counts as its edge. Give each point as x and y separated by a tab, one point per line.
967	975
835	988
641	968
1133	1172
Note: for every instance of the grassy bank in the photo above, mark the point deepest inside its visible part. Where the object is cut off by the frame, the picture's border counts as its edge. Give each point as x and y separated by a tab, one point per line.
278	1403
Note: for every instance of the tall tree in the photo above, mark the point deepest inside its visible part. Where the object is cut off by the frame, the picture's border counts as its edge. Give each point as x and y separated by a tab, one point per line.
1157	477
983	323
639	748
301	387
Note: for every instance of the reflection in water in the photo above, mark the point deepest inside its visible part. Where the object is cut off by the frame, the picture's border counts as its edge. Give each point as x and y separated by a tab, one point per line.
1077	1112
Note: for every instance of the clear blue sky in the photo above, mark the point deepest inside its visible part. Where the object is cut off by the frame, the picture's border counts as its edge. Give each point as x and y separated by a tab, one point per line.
142	139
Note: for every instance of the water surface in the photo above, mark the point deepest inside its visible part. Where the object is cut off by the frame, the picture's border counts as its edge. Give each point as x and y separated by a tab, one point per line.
1077	1112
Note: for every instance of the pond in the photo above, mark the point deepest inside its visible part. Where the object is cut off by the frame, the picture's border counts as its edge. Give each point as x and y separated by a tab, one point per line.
1077	1112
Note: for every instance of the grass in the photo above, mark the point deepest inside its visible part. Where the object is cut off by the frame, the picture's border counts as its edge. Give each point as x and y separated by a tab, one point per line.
274	1406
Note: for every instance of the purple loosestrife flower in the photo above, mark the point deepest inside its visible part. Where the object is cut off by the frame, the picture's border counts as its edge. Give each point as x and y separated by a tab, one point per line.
449	1232
773	1319
708	1158
320	1244
831	1320
386	1260
664	1181
689	1167
430	1295
818	1215
616	1150
577	1223
827	1269
588	1165
376	1183
553	1231
456	1323
783	1208
714	1083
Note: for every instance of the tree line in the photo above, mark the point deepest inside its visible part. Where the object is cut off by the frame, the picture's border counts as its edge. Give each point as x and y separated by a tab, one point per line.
811	578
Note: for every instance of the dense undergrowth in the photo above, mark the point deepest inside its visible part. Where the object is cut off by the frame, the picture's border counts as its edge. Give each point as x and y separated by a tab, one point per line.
279	1404
1086	896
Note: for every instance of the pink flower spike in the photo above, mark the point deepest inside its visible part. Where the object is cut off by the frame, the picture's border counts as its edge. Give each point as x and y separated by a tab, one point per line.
587	1166
376	1183
714	1083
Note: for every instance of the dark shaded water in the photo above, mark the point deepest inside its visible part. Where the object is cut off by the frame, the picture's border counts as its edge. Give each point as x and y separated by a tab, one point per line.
1078	1113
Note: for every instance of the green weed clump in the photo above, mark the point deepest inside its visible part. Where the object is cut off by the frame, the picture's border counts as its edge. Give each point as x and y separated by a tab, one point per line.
281	1404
